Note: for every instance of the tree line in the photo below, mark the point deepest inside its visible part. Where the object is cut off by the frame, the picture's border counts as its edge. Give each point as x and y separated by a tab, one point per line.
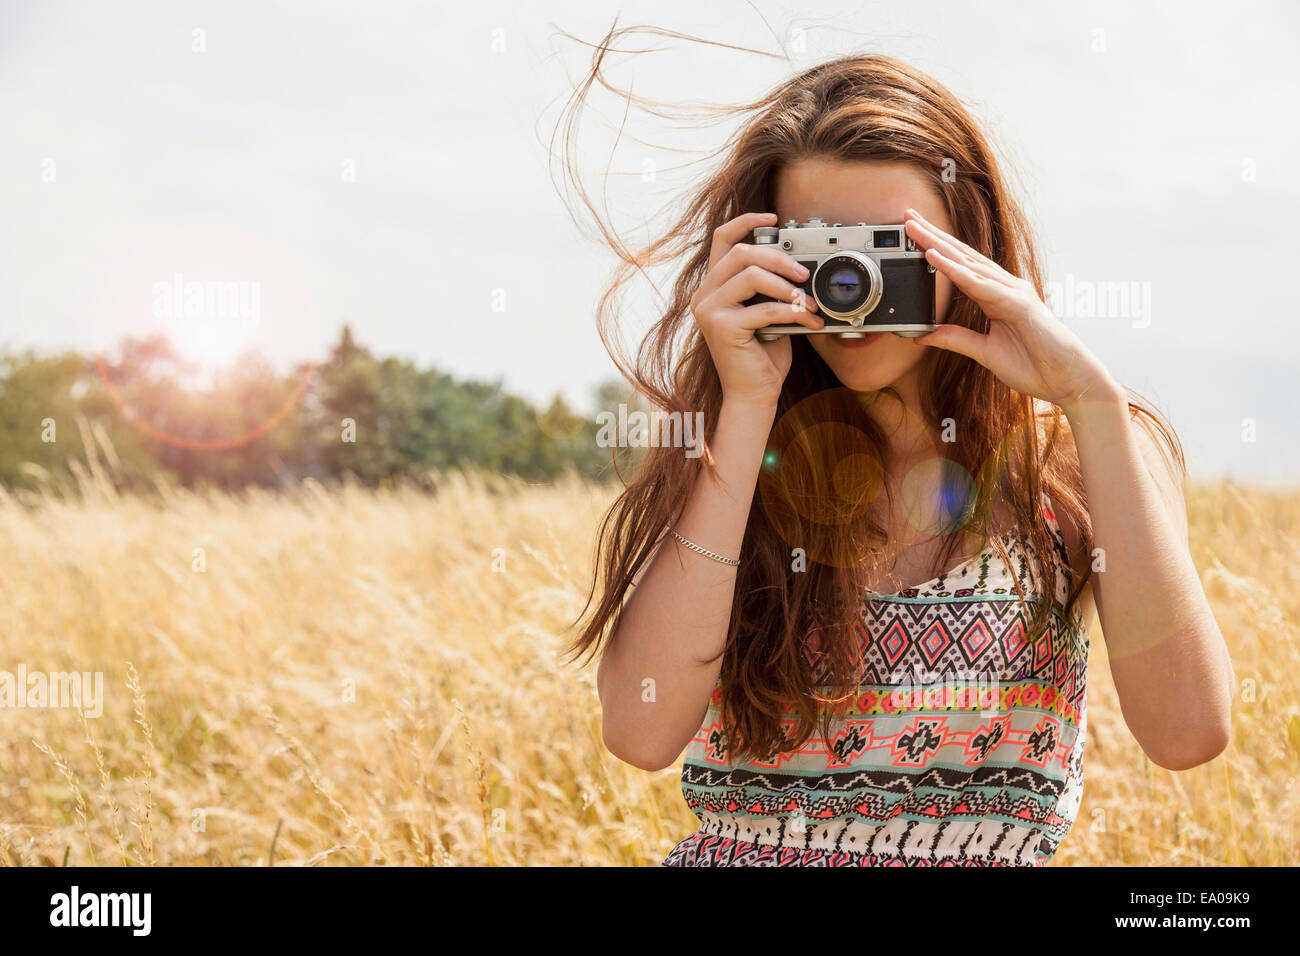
372	417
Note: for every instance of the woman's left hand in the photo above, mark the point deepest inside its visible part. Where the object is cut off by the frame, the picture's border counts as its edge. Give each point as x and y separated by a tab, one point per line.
1026	347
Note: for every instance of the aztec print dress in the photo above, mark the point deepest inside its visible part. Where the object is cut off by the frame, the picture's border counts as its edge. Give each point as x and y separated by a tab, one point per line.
965	749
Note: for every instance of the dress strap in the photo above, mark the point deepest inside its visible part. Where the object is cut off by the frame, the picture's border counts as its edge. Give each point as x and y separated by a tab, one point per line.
1049	513
1060	551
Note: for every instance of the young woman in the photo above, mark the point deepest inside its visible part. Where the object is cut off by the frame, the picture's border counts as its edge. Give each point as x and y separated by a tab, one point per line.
864	613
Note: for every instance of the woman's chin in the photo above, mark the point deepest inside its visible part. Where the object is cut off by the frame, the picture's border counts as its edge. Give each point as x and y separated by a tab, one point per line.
866	383
868	375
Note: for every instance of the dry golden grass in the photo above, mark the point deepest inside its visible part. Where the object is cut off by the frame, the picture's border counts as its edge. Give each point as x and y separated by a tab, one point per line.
350	681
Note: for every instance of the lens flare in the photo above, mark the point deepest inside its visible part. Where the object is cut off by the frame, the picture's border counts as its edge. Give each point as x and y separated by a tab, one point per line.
214	444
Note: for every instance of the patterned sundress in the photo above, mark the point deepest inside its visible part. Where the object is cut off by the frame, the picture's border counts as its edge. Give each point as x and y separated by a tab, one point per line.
964	749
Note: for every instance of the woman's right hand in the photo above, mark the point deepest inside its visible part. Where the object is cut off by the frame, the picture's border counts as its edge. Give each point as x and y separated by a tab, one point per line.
750	370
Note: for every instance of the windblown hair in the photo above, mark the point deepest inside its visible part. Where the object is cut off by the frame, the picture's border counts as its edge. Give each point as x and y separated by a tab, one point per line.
829	454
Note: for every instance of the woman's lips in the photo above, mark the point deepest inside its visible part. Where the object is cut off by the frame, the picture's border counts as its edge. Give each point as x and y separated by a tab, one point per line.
853	342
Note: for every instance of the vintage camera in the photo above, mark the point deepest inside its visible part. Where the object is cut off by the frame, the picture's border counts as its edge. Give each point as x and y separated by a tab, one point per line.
863	278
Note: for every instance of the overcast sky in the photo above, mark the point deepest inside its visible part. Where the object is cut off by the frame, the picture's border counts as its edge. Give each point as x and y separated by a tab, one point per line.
385	164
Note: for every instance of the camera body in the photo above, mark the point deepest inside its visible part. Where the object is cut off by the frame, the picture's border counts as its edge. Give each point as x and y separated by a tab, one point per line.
863	279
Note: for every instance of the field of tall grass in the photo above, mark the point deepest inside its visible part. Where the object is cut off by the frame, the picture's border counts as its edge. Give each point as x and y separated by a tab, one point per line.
371	676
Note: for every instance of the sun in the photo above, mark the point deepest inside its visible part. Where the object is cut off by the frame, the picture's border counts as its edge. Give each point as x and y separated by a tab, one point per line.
209	322
211	346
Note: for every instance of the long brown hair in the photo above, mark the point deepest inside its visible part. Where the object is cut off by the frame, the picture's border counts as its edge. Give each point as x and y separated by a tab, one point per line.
826	455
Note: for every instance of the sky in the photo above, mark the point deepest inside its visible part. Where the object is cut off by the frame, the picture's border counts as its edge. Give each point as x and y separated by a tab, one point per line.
299	166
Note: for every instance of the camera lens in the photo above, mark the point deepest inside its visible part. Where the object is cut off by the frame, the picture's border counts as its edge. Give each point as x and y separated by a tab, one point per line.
844	286
847	286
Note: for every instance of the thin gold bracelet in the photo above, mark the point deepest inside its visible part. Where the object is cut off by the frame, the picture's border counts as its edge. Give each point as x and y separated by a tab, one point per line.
730	562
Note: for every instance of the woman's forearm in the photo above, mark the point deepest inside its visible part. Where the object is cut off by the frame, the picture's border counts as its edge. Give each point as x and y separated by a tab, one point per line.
659	669
1168	658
